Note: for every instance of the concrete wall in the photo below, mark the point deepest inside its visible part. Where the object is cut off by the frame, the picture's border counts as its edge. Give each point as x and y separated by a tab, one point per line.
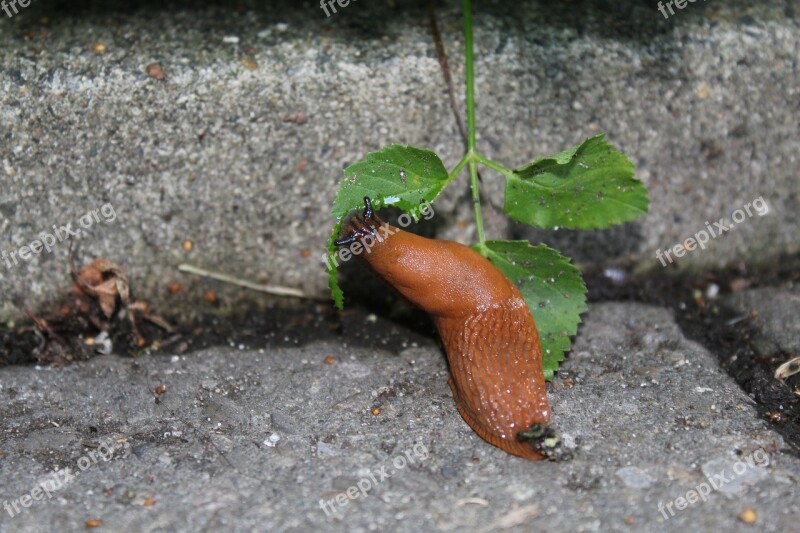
705	103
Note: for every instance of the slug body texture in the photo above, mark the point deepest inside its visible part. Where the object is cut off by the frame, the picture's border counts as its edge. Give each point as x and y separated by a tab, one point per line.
488	332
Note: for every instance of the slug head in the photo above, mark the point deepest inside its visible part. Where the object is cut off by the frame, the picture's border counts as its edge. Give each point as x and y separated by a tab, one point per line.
444	278
543	439
362	226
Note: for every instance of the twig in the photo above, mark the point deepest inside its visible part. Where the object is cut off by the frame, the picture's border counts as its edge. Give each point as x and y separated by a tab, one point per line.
43	327
448	79
269	289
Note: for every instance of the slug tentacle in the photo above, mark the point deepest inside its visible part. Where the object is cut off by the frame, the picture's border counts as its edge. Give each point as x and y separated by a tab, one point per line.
488	332
368	212
347	240
361	225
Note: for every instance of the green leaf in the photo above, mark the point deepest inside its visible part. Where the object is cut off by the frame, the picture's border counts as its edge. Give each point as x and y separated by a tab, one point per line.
336	292
552	287
400	176
589	186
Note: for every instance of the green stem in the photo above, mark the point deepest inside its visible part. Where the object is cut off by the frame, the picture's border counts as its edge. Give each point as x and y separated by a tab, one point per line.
458	168
471	144
491	164
470	73
476	200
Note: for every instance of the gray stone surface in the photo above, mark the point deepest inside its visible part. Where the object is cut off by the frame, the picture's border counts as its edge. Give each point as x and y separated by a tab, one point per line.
249	441
774	312
705	103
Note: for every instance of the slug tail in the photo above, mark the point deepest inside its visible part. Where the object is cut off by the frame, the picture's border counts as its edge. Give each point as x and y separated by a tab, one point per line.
520	448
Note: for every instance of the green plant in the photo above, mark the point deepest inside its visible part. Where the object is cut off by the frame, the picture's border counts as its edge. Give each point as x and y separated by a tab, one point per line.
588	186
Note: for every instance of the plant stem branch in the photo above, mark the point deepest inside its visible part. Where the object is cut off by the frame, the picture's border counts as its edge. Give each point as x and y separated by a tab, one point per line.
491	164
458	168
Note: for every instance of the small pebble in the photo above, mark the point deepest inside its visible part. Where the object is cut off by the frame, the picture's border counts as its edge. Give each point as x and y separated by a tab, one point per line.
748	516
155	71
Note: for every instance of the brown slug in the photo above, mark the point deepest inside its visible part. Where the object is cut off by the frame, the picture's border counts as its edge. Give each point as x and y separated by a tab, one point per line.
488	332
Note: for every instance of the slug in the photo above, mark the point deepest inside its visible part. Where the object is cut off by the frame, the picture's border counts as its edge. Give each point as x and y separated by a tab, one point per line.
488	332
